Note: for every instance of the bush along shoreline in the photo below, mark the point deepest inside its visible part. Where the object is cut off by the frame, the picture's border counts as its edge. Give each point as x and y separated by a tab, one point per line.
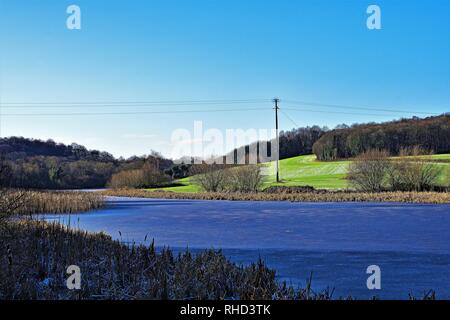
292	195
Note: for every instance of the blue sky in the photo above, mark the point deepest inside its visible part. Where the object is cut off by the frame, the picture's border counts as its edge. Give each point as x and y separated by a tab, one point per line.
318	51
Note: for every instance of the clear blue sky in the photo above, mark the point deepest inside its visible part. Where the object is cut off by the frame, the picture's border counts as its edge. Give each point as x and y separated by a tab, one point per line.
315	50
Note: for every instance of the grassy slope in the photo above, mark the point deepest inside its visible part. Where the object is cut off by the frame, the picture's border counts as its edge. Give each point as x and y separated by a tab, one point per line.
306	170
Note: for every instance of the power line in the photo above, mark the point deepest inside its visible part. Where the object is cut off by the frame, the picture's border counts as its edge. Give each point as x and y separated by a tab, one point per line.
130	103
340	112
339	106
148	101
162	103
127	113
186	112
289	118
291	105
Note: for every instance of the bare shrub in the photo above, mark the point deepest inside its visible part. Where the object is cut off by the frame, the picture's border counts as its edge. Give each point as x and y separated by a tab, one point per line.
367	172
126	179
210	177
411	172
429	176
153	177
244	179
394	175
146	177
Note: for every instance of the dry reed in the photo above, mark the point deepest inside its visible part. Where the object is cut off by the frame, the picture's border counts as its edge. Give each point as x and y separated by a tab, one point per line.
35	202
314	196
34	256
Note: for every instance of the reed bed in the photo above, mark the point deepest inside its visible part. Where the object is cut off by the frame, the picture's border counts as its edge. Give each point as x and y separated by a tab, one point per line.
34	256
35	202
313	196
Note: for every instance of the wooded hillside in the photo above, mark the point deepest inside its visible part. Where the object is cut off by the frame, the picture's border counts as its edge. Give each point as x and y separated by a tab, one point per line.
431	134
37	164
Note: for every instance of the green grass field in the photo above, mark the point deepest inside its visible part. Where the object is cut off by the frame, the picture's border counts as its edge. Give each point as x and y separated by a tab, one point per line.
307	171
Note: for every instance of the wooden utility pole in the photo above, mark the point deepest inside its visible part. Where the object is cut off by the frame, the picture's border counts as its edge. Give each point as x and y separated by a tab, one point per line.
276	101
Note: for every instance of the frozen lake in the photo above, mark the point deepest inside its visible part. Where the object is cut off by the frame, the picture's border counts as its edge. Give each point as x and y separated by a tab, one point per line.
335	241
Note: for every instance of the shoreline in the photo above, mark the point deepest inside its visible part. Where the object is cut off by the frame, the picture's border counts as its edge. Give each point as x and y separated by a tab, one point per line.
312	197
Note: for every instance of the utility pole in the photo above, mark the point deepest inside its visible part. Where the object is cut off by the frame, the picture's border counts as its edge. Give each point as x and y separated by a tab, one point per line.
276	101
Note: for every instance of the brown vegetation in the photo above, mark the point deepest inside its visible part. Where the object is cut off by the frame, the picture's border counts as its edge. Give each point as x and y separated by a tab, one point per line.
34	257
148	176
34	202
219	178
412	172
36	164
60	202
367	172
374	171
210	177
10	202
244	179
316	196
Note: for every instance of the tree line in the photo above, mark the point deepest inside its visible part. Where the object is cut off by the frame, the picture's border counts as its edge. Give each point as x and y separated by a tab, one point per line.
14	148
37	164
430	134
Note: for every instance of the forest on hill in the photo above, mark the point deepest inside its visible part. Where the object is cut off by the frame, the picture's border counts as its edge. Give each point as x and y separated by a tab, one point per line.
14	148
430	134
37	164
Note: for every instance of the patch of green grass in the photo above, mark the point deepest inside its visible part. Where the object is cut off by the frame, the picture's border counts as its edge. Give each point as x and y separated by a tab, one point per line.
188	188
440	157
308	171
185	186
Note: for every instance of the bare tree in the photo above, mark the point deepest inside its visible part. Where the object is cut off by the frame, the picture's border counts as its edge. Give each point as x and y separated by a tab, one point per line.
245	178
210	177
412	172
154	177
367	172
